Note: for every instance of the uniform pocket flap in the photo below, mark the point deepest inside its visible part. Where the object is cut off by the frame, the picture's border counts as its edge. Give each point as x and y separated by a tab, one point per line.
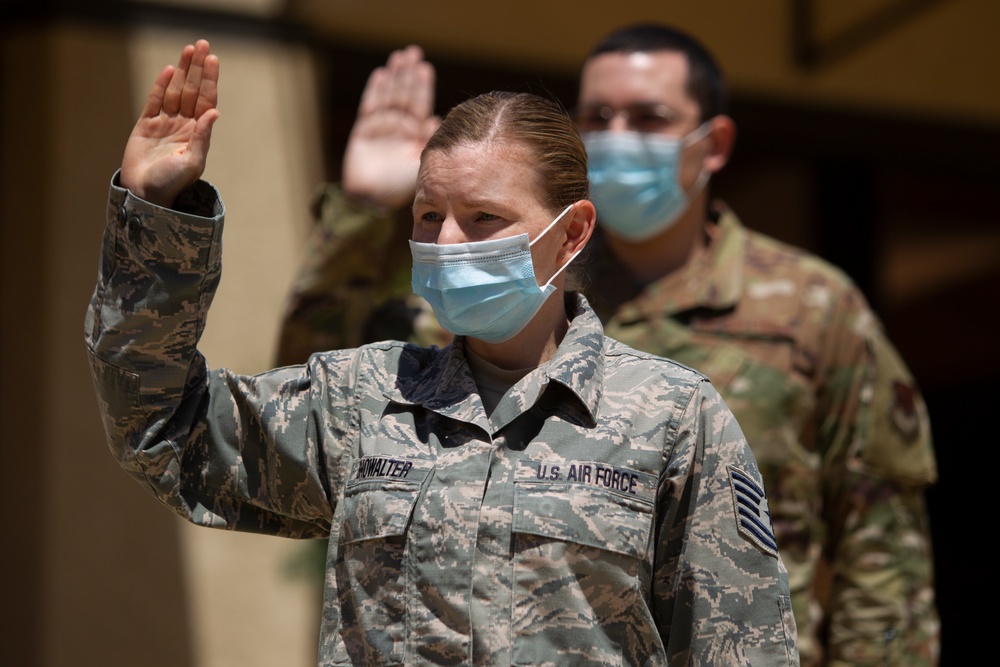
616	517
379	499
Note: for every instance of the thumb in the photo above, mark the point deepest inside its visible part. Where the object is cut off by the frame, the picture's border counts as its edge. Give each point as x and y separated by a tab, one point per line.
430	127
201	138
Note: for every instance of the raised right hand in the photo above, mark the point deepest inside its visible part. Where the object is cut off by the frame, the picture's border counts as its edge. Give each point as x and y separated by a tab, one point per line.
395	120
168	148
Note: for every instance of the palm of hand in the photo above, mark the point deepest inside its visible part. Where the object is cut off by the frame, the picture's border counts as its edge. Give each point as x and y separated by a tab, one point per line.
168	148
395	120
157	159
383	155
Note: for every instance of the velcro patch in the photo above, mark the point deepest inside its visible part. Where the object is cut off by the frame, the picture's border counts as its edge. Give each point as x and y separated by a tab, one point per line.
903	409
753	518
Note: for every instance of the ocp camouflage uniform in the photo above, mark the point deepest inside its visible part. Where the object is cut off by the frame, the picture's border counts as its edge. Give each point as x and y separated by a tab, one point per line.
607	512
831	411
354	285
835	421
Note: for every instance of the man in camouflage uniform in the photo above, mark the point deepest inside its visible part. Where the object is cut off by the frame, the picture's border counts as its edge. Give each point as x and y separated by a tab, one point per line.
566	523
831	411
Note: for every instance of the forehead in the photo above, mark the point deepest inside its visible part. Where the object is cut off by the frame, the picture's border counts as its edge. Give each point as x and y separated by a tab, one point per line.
479	172
620	79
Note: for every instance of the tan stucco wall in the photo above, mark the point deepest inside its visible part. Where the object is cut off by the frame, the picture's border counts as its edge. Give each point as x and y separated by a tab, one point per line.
109	577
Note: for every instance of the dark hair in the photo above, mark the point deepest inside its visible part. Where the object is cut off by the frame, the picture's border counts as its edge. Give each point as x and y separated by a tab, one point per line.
705	83
539	127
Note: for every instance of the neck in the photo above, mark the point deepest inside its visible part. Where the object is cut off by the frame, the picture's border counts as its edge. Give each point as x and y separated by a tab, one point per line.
665	253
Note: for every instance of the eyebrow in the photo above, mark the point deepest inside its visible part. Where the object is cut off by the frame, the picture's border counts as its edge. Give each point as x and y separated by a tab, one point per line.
480	203
483	204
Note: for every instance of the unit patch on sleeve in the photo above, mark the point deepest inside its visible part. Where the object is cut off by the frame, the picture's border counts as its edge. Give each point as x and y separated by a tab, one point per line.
903	409
753	518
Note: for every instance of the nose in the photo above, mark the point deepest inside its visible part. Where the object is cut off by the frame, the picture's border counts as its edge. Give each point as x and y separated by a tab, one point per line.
449	232
619	121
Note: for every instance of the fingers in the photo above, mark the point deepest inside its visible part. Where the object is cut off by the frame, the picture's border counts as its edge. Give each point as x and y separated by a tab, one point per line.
208	97
373	94
191	88
172	96
402	65
405	83
154	101
193	85
378	94
421	96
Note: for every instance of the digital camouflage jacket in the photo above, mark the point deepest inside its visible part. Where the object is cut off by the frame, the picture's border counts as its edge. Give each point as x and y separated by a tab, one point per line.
608	511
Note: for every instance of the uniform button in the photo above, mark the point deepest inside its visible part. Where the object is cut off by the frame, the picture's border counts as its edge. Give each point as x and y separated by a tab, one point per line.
134	229
122	215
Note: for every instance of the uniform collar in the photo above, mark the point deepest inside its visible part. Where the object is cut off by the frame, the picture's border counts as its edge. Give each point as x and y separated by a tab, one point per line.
446	385
713	280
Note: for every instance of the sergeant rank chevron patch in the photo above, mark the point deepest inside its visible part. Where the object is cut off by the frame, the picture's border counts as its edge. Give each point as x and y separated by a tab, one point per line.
753	518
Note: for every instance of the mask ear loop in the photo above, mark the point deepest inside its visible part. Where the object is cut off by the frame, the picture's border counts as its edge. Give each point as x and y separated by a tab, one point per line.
698	134
544	232
551	225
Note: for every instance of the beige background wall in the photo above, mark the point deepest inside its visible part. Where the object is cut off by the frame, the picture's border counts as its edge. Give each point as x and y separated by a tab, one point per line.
97	573
101	574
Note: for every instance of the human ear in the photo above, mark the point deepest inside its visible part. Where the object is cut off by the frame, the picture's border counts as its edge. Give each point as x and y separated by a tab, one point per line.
721	137
579	229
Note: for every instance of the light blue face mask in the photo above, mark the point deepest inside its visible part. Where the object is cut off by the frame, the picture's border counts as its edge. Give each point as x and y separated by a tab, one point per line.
483	289
635	181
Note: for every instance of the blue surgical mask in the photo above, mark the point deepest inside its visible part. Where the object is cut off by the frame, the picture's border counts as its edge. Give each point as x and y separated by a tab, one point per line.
483	289
635	181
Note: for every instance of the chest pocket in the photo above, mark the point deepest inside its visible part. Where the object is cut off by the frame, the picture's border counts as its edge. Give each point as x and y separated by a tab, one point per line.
380	497
582	563
616	521
378	504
